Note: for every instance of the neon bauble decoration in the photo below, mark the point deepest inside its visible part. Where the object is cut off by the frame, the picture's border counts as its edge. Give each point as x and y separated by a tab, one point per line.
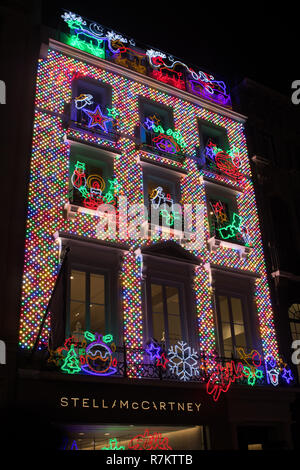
98	358
183	361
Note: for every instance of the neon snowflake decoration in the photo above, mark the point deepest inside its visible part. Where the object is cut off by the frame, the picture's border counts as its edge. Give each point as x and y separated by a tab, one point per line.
183	361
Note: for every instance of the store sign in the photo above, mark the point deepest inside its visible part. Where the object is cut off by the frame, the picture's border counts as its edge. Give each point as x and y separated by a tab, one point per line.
141	405
2	352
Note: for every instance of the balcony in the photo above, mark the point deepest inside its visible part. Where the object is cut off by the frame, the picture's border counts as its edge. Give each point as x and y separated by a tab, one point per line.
159	144
180	363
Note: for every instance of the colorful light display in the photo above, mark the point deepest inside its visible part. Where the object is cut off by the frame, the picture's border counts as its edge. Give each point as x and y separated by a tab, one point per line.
94	359
50	175
95	39
148	441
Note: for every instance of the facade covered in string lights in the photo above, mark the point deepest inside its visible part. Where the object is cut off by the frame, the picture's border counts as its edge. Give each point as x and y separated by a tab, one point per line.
123	311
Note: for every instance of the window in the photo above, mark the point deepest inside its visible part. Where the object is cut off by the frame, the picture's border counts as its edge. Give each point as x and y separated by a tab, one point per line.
91	180
157	130
225	223
91	106
236	317
210	132
166	323
162	198
232	329
87	305
170	307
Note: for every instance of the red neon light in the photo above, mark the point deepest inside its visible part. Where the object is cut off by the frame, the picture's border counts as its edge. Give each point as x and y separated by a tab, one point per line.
148	441
223	377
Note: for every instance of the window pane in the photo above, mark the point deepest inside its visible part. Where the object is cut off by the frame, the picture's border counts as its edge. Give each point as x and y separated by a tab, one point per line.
77	285
97	319
227	339
174	329
224	310
157	298
172	300
158	326
240	338
97	287
77	316
237	310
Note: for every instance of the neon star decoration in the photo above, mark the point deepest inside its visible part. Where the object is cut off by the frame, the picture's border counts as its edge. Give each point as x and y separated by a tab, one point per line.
97	118
162	360
154	351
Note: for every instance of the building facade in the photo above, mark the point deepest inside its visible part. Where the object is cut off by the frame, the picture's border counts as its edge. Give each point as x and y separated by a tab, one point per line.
147	320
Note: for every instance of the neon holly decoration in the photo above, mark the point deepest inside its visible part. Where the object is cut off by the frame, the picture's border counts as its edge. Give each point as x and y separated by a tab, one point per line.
183	361
232	229
221	380
98	358
97	118
83	100
149	441
113	445
253	361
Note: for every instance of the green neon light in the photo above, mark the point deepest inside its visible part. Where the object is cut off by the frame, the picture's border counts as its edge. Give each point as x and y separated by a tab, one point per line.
89	336
87	45
113	445
232	229
71	364
107	338
175	134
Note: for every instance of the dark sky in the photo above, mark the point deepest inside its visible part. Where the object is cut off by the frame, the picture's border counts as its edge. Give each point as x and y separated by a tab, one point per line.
233	39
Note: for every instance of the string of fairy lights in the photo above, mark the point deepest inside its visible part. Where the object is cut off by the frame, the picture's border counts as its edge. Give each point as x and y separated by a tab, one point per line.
48	193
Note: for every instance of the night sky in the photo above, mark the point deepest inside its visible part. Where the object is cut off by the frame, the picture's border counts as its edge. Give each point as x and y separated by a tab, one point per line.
232	40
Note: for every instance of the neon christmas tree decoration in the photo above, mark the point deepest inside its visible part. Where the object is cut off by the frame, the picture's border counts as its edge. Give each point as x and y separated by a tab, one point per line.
71	364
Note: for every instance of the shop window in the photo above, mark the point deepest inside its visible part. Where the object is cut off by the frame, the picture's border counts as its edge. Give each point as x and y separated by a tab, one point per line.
294	318
91	107
91	181
87	303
